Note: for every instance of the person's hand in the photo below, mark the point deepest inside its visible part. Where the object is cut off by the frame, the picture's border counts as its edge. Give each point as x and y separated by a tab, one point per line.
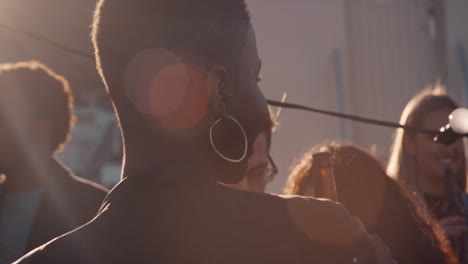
382	251
453	226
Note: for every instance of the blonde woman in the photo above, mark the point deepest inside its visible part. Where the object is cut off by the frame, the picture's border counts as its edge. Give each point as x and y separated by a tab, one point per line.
418	163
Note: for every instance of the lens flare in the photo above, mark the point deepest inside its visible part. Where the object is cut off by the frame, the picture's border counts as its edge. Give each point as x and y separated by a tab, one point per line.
459	120
160	84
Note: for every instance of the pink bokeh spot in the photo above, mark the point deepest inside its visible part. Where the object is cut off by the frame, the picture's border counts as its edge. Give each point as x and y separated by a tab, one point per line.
159	84
168	90
179	96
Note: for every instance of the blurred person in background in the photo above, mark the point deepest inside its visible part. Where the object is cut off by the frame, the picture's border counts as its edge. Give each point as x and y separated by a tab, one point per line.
39	198
261	168
183	76
385	209
419	163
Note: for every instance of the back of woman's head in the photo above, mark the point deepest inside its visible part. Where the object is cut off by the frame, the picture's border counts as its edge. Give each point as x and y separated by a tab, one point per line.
401	165
183	76
385	209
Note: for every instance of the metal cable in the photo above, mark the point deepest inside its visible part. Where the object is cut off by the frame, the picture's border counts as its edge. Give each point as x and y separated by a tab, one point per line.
352	117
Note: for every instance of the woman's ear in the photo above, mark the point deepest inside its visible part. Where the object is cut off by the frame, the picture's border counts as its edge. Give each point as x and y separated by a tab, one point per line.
218	80
227	172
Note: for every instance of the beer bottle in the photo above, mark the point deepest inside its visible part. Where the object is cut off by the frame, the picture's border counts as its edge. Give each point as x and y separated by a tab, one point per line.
323	173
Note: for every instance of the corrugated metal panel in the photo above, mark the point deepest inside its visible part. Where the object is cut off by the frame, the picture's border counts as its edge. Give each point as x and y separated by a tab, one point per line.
457	40
392	57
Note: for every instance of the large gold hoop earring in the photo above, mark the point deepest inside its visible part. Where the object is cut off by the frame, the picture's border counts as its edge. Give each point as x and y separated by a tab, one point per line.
244	155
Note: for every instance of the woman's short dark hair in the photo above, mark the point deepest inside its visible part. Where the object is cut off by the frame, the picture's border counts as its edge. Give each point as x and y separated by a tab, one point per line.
211	31
48	94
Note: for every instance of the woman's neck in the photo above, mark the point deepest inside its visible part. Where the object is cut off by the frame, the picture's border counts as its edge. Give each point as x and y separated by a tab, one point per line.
26	177
163	158
433	186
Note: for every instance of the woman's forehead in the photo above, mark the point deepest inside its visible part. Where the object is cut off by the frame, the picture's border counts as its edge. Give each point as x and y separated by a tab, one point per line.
436	118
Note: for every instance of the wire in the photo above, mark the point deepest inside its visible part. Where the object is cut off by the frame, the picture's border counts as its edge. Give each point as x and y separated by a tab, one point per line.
352	117
270	102
48	41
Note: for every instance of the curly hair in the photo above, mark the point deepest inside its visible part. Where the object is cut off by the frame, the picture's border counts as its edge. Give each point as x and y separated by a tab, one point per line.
48	94
403	223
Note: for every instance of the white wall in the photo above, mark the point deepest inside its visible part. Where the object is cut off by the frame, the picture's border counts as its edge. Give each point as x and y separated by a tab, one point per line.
62	21
296	39
456	32
392	57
